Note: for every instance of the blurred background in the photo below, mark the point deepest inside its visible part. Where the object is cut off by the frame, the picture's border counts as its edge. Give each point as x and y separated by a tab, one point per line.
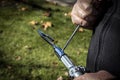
63	2
24	55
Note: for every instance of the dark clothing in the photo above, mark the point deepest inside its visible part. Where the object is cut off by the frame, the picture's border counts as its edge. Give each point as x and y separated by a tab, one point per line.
104	51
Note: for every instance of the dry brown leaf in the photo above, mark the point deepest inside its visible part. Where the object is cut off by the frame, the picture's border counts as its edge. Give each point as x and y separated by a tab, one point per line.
24	9
55	64
60	78
78	52
16	4
27	47
81	30
41	21
47	14
9	67
66	74
67	14
34	23
46	25
18	58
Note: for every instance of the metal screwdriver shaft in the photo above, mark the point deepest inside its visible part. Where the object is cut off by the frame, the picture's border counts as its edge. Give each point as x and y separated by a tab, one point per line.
78	26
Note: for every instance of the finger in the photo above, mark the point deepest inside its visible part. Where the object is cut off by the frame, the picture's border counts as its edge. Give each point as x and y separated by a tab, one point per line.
82	13
83	10
79	11
78	20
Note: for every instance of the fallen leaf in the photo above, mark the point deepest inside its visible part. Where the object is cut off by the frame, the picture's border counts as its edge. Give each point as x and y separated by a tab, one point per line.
55	64
60	78
46	25
34	23
47	14
67	14
9	67
24	9
18	58
78	52
16	4
41	21
66	74
28	47
81	30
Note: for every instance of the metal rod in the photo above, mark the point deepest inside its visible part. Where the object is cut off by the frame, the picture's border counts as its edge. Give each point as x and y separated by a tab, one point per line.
78	26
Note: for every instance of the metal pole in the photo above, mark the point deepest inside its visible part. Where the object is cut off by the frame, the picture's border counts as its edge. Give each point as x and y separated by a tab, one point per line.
78	26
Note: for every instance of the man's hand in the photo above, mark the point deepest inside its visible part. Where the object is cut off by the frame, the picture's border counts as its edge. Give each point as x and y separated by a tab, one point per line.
101	75
82	13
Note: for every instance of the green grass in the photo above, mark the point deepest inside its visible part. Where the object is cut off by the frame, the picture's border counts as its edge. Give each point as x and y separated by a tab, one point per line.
24	55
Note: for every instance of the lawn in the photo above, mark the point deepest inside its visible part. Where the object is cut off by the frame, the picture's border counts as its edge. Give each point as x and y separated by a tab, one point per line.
24	55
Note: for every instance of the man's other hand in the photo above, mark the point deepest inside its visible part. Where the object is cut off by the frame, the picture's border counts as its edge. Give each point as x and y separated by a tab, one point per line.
101	75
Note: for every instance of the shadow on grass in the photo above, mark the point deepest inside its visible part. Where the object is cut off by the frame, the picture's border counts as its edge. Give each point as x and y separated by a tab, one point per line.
17	71
9	70
34	5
